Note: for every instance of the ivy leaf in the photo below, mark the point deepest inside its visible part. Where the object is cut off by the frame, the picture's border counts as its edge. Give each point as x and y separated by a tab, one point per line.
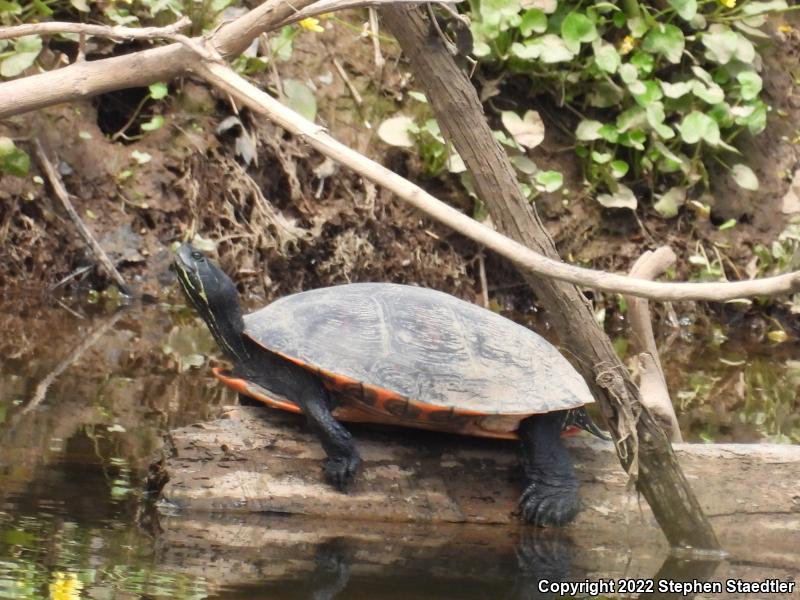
628	73
606	57
622	198
698	126
751	84
158	90
712	94
577	28
300	98
548	48
619	168
758	8
744	177
670	202
26	49
650	92
686	9
155	123
676	90
528	131
549	181
633	118
588	130
666	40
723	44
13	160
395	131
655	118
533	21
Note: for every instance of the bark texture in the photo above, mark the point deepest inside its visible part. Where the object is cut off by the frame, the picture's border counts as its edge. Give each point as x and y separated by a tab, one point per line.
642	446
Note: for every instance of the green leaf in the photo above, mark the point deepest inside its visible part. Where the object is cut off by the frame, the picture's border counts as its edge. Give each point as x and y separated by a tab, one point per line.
628	73
751	84
666	40
650	92
13	160
757	8
638	27
655	118
606	57
550	181
548	48
619	168
723	44
643	62
523	164
686	9
609	133
744	177
712	94
633	118
601	158
588	130
496	14
670	202
42	8
676	90
155	123
26	49
81	5
622	198
158	90
756	121
395	131
698	126
281	45
11	8
533	21
577	28
300	98
633	139
527	131
729	224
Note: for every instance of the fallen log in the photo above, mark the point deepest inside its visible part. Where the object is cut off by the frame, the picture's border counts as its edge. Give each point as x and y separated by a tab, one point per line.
258	460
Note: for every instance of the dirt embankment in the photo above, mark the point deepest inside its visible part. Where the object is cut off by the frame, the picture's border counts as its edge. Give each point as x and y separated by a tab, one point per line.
291	220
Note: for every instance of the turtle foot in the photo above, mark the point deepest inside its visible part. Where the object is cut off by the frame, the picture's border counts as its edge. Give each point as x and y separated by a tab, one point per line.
339	471
549	502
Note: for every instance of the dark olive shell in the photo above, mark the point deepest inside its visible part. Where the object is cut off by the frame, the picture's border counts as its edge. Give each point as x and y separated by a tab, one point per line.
422	345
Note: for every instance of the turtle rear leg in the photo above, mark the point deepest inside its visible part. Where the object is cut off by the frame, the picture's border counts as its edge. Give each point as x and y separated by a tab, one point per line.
551	498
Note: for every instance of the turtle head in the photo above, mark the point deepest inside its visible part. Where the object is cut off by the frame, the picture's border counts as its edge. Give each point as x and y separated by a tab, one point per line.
214	296
578	417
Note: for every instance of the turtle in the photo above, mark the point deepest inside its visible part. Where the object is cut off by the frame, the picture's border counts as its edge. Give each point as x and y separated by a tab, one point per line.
400	355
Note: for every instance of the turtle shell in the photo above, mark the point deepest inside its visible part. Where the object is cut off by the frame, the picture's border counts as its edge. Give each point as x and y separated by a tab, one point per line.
414	356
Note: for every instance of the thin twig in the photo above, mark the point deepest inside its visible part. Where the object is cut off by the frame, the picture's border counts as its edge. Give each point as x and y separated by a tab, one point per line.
61	193
340	70
374	29
482	276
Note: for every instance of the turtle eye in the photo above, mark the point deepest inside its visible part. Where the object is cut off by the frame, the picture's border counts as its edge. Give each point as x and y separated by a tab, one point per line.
198	256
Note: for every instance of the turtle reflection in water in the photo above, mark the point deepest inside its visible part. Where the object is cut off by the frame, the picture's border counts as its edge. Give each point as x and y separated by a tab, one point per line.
403	355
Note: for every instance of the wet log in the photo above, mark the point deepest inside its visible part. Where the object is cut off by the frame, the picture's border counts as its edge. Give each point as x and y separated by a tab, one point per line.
258	460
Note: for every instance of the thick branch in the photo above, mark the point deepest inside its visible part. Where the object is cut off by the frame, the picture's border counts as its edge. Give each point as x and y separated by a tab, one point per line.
642	447
653	385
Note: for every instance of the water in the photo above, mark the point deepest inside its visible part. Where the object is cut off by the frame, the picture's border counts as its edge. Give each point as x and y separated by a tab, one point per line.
83	405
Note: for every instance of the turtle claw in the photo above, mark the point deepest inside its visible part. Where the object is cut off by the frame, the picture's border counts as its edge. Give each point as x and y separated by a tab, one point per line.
550	503
339	471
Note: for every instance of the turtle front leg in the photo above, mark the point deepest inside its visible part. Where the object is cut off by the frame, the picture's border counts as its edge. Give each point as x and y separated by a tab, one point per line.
551	498
343	459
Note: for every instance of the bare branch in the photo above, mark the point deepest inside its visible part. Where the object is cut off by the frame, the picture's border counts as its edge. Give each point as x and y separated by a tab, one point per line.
526	258
652	383
123	33
63	196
